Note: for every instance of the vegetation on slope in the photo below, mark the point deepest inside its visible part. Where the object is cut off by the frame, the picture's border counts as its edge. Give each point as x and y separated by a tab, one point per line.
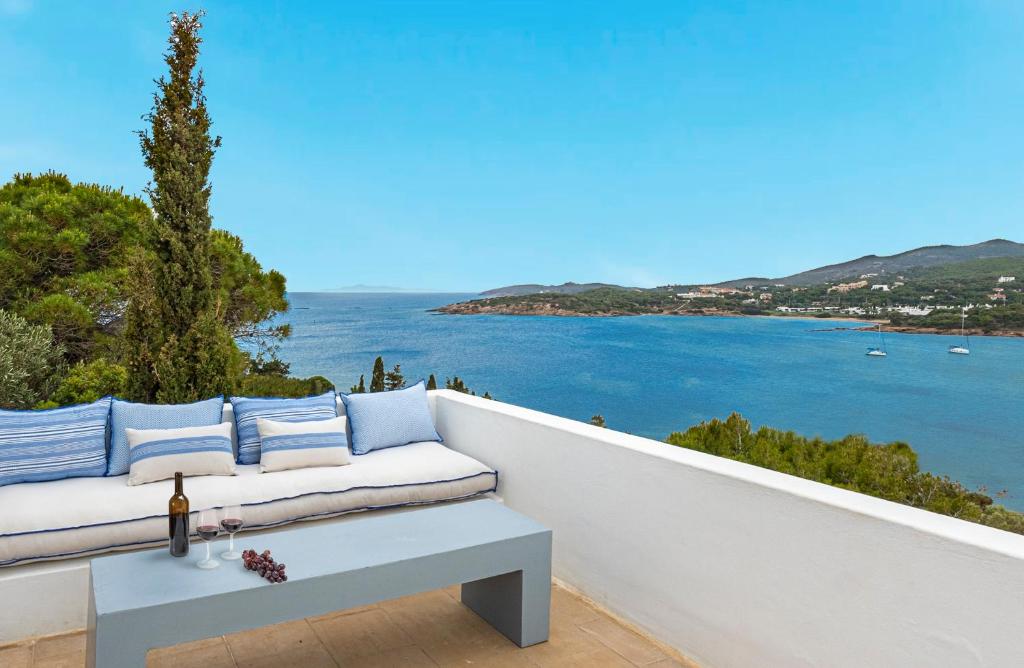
951	286
888	471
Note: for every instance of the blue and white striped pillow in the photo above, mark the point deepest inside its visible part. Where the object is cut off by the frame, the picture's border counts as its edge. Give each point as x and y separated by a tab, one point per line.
53	444
157	454
247	410
300	445
128	415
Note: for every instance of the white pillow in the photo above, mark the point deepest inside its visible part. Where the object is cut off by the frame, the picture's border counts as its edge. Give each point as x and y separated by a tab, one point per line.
299	445
156	454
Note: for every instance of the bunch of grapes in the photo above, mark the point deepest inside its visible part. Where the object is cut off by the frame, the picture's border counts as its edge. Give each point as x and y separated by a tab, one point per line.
265	565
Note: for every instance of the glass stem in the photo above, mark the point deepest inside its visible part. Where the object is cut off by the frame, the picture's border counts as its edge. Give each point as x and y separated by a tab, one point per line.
208	551
231	543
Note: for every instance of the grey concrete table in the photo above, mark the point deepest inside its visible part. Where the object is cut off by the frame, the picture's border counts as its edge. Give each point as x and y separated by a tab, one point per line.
143	600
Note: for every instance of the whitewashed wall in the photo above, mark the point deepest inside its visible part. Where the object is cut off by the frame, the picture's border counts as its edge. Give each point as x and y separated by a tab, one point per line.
740	566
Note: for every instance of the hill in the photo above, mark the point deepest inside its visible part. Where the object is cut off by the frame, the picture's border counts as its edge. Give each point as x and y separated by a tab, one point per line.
920	290
919	258
569	288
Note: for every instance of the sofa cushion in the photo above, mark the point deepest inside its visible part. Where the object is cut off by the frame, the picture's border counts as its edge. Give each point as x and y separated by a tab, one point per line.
388	419
248	410
128	415
68	518
53	444
299	445
157	454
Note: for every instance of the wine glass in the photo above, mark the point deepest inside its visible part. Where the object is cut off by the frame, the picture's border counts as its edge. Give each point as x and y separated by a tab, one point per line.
207	528
231	521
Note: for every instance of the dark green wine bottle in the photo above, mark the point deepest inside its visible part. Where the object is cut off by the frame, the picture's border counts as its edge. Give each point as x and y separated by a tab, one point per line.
177	513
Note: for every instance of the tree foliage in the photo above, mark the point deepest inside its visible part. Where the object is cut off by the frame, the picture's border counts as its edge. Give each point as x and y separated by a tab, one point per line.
394	380
63	257
377	377
29	362
889	471
255	385
190	353
89	381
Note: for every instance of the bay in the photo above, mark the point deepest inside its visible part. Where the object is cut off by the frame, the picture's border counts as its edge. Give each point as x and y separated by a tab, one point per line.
651	375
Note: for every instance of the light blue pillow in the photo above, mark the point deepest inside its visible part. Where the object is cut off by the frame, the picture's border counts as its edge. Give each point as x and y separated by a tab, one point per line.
388	419
322	407
68	442
126	415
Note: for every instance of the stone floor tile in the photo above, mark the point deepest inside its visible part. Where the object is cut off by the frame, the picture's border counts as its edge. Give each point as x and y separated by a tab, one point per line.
209	653
287	644
629	645
16	656
352	637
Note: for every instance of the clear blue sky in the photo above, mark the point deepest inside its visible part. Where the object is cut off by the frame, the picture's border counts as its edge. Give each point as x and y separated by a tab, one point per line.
462	146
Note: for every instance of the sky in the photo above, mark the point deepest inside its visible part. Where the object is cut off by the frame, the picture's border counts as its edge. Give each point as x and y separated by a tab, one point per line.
460	146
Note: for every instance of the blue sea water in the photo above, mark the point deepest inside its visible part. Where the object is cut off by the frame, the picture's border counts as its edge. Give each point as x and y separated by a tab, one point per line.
652	375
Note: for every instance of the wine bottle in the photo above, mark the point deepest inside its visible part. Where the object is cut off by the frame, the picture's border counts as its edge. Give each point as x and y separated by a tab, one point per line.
177	512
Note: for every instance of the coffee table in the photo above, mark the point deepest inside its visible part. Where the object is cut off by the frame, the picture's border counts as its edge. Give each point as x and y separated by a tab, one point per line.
144	600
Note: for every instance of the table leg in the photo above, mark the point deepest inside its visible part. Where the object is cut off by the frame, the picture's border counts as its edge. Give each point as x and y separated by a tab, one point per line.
517	604
105	647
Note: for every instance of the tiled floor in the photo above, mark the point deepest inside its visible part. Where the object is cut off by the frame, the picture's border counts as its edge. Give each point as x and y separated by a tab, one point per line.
431	629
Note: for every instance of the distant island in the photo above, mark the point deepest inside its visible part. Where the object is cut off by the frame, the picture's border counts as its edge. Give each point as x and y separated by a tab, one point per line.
922	290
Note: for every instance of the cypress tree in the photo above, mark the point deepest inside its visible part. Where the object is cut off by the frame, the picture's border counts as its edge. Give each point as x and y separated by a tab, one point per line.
377	379
178	348
431	382
361	387
394	380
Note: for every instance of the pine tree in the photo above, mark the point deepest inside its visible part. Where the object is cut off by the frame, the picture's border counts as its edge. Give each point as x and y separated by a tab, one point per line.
377	379
361	387
431	382
394	380
598	421
177	347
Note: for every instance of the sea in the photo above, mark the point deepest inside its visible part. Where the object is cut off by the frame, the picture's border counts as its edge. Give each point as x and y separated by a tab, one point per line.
652	375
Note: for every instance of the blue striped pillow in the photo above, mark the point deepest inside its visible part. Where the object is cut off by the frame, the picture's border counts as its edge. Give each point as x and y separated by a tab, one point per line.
127	415
322	407
54	444
157	454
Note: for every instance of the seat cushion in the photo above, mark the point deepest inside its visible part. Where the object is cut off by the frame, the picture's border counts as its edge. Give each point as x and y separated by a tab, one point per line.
68	518
248	410
37	446
128	415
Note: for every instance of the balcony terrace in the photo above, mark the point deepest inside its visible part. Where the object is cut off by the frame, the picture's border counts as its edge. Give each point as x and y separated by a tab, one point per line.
668	553
428	630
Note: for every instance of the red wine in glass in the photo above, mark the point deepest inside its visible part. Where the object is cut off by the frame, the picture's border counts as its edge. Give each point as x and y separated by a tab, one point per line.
231	521
208	527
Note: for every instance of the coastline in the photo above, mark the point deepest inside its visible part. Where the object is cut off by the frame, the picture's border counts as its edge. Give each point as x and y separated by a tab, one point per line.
463	309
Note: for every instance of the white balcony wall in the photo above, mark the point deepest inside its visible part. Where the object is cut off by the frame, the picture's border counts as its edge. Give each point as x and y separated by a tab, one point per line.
734	565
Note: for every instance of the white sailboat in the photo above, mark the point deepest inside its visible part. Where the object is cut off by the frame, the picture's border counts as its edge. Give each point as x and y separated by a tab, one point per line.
879	350
962	348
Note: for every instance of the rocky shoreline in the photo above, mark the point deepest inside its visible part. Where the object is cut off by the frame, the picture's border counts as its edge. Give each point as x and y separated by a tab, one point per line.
479	308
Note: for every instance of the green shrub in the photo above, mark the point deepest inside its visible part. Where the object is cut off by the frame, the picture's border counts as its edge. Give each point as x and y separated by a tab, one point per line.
30	363
888	471
265	385
88	381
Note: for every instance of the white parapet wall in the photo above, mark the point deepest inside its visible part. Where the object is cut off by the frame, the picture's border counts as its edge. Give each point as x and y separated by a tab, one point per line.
734	565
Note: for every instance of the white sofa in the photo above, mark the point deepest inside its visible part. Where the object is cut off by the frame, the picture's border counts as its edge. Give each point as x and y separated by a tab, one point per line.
79	516
64	519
